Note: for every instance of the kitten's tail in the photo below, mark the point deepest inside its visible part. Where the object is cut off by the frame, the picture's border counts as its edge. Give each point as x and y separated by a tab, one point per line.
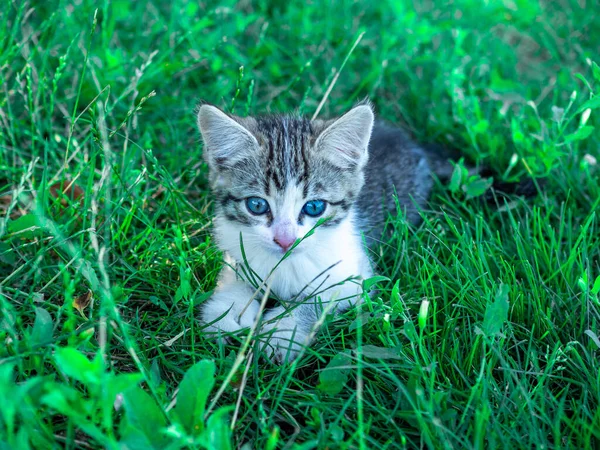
527	188
440	158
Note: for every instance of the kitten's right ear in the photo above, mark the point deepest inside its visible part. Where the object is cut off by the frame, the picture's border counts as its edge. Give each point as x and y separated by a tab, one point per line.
345	141
225	140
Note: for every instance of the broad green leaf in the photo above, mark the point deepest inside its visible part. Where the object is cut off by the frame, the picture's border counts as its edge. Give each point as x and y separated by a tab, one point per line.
455	179
517	134
596	71
337	433
217	435
69	402
581	134
66	400
193	393
185	287
273	439
124	381
7	388
481	126
158	302
25	227
27	397
395	299
191	10
333	378
375	352
582	282
592	103
117	384
7	255
477	187
596	287
6	375
133	439
594	337
22	223
41	333
145	415
363	319
496	313
155	373
410	331
76	365
22	439
370	282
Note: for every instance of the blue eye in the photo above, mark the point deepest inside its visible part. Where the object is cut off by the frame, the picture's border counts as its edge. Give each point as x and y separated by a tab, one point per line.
257	205
314	208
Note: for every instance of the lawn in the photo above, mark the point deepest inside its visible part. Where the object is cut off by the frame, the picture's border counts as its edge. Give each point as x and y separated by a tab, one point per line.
484	330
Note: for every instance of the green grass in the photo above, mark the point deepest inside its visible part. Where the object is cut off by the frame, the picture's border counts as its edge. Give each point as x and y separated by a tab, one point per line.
506	352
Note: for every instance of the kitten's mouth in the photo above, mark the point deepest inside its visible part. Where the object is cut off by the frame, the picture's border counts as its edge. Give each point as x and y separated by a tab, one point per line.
280	251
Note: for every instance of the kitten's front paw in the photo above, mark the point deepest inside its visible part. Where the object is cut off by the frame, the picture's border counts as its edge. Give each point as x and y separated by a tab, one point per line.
235	318
284	339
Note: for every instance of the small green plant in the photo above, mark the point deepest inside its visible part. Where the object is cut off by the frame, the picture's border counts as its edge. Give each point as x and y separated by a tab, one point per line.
99	402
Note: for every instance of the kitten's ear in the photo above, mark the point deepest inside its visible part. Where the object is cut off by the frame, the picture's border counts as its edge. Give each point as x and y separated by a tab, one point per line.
345	142
225	140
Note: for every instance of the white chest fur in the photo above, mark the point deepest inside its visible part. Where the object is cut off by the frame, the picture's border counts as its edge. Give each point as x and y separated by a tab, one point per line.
321	261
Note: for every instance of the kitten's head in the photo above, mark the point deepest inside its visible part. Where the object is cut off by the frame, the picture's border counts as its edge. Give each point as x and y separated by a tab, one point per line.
274	177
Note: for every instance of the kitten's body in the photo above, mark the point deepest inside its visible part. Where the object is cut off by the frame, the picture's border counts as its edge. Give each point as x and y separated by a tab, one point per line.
287	162
397	167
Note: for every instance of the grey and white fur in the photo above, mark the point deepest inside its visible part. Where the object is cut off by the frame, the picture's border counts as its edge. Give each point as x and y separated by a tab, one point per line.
352	164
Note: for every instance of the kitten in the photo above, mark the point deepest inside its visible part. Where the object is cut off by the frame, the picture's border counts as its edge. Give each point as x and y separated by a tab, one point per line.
273	179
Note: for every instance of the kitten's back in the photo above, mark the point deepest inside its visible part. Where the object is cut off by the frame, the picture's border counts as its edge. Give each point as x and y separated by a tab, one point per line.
397	165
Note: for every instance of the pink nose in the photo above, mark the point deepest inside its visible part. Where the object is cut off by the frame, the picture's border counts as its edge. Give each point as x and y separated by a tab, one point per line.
284	241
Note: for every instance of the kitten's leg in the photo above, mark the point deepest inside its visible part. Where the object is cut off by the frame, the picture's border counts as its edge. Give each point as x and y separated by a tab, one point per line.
232	301
287	331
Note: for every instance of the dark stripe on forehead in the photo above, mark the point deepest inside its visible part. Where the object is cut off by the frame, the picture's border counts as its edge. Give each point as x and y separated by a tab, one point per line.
345	205
319	186
239	218
270	164
228	198
288	140
276	164
298	154
304	154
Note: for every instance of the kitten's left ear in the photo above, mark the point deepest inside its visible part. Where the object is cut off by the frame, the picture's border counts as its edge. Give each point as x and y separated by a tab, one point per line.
345	142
